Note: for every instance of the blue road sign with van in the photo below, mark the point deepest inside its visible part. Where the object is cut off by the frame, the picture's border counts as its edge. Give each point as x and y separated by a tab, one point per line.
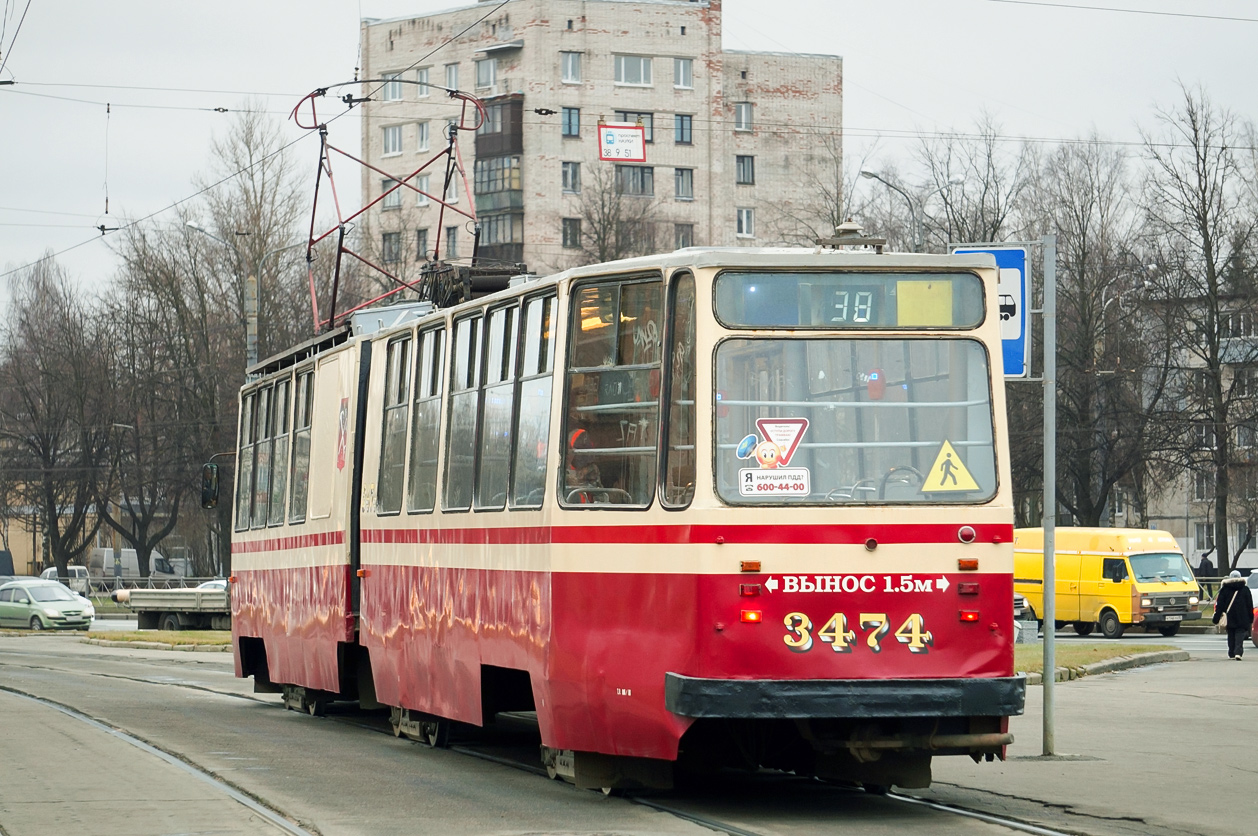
1011	306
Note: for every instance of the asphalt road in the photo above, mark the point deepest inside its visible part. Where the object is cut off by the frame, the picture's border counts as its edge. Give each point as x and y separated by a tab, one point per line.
1149	751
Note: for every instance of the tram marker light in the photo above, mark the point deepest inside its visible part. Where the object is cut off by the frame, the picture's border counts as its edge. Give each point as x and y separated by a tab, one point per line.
749	590
966	534
969	615
231	579
749	566
362	573
967	564
967	589
755	617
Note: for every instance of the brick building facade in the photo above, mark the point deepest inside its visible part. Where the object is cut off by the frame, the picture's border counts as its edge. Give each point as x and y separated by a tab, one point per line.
734	138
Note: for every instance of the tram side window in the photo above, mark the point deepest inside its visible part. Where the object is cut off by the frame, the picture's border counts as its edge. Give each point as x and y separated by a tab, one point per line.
496	412
464	404
679	462
279	454
244	475
262	459
611	398
397	396
528	476
302	409
421	490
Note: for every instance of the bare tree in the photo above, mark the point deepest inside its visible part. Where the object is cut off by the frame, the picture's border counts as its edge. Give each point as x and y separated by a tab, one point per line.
972	184
1200	229
55	446
823	200
1113	363
617	218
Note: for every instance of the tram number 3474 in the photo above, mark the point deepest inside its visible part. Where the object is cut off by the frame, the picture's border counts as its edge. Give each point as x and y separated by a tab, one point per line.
842	638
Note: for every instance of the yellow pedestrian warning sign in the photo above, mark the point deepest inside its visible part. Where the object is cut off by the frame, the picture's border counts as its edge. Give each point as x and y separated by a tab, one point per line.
948	473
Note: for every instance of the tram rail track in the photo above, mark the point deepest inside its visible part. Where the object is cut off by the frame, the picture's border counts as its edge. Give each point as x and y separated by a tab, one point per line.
379	725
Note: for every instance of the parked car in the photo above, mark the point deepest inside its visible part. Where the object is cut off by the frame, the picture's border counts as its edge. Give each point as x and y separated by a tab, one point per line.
44	605
77	576
216	583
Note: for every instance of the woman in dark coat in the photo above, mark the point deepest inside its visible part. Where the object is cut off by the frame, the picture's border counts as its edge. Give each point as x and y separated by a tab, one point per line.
1236	600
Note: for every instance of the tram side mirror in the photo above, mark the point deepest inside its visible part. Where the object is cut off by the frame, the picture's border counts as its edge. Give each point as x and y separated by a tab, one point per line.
209	485
875	385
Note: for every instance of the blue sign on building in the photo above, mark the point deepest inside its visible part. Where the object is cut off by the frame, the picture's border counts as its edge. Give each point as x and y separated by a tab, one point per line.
1012	305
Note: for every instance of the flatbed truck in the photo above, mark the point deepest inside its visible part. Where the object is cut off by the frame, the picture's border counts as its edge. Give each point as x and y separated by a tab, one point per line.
178	609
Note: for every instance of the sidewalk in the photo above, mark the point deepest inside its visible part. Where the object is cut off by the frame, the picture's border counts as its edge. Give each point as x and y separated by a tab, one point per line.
60	774
1149	751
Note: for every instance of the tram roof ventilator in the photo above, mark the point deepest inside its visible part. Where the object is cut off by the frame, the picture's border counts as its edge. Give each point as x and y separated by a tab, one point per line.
849	234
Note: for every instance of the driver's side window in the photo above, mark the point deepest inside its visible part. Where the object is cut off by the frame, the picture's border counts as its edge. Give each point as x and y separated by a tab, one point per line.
1114	569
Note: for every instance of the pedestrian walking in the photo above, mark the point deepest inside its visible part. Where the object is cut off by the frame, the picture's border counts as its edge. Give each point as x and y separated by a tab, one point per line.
1235	609
1205	571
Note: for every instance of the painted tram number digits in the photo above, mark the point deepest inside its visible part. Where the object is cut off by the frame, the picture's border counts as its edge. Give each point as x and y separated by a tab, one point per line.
836	633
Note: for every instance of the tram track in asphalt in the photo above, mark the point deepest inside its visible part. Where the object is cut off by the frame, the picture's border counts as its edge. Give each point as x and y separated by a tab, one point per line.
508	753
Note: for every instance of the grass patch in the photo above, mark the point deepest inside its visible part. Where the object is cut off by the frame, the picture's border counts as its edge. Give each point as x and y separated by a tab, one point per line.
1030	657
172	637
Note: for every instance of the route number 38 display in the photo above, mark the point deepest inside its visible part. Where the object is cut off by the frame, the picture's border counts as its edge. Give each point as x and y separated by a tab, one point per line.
842	638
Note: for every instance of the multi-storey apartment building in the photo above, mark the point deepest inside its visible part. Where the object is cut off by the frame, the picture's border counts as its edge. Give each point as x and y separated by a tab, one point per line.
735	140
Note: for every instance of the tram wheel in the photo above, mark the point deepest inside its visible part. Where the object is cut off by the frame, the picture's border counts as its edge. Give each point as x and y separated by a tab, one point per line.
436	733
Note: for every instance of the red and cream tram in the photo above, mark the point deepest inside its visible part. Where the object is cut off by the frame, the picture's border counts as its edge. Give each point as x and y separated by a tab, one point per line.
720	506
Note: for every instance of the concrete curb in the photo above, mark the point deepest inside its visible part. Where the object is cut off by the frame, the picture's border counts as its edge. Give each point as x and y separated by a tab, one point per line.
190	648
1118	663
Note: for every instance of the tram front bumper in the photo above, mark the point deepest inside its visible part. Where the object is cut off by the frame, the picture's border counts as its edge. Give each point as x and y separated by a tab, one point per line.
694	697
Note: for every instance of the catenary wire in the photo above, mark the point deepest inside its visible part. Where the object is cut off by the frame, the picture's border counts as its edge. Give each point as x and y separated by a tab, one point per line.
16	32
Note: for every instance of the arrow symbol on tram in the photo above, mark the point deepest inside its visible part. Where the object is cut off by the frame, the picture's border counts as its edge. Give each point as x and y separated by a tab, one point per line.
771	584
943	584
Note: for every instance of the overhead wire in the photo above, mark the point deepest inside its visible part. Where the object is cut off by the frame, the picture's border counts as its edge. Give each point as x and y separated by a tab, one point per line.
257	162
1122	10
5	61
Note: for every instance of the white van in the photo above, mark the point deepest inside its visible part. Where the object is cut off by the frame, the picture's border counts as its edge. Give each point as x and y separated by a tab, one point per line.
104	564
77	577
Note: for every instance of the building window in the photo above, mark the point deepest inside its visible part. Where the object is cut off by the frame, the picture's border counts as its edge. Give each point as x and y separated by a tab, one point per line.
391	247
421	130
746	223
452	242
742	116
744	170
392	140
1245	382
1204	536
392	90
633	117
422	77
571	67
502	229
638	180
1203	487
684	183
1246	436
572	177
633	70
486	73
493	120
683	236
497	174
452	191
571	121
1203	435
421	245
452	76
683	124
1236	324
683	73
421	183
392	199
572	233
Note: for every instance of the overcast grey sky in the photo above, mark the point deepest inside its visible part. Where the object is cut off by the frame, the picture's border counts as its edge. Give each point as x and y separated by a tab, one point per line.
1045	70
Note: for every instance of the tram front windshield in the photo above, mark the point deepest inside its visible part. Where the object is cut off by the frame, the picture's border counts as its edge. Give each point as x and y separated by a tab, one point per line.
854	421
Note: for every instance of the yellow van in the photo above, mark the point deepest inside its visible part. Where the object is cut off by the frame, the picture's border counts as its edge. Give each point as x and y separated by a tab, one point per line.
1109	577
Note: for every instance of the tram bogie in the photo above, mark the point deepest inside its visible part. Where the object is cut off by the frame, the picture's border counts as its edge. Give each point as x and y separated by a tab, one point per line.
708	509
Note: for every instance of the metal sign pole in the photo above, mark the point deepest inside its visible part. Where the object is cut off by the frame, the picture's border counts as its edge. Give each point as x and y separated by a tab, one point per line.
1050	485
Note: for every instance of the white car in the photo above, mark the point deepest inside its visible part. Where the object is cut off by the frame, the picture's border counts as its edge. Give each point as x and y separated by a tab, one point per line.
217	583
77	575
